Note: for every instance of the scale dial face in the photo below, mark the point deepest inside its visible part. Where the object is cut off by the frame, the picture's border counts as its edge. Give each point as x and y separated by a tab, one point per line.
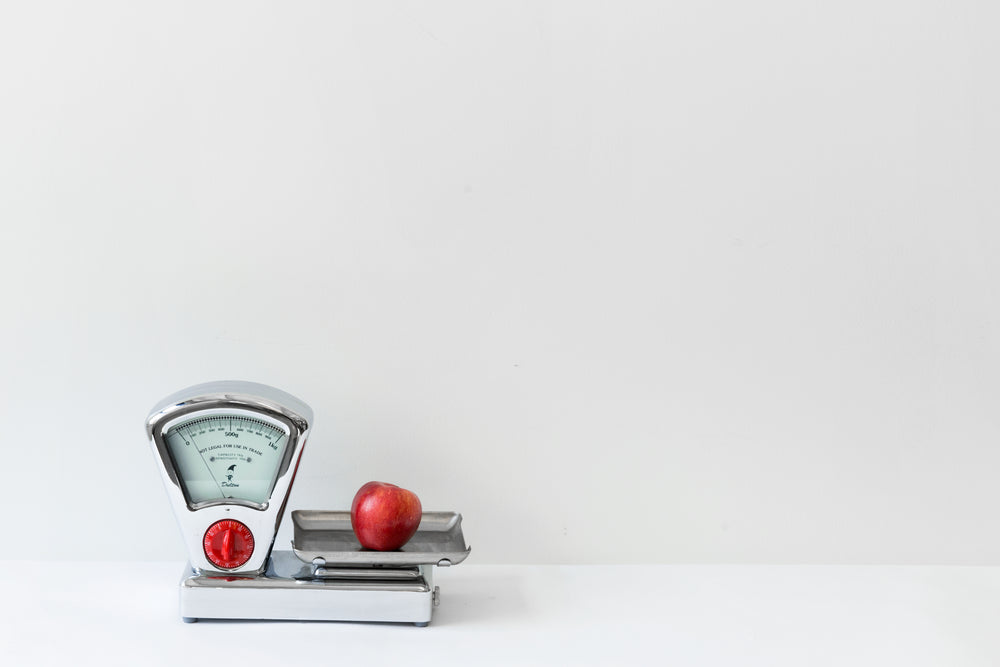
226	456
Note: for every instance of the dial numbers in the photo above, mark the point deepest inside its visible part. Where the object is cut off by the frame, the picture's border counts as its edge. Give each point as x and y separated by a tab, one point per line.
226	456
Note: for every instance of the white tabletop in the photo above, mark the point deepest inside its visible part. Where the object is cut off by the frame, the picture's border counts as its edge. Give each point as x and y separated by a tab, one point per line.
126	614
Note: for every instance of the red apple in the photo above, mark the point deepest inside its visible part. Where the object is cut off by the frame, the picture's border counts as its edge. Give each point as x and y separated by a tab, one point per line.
384	516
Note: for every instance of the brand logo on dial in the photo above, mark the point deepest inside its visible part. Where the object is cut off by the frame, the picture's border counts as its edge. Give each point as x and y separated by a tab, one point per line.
230	472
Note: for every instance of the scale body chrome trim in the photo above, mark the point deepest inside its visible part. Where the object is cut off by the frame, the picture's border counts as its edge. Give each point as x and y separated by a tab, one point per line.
288	590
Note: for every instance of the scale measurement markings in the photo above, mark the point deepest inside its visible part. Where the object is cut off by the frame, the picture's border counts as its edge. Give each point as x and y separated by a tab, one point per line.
257	426
227	454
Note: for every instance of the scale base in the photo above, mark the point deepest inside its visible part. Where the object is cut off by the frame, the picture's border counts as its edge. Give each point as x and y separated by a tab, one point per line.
289	590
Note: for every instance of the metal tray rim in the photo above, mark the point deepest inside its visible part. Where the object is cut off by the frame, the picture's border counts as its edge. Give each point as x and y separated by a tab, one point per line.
438	522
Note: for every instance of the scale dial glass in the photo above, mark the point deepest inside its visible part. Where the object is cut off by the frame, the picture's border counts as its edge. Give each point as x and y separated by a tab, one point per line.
227	456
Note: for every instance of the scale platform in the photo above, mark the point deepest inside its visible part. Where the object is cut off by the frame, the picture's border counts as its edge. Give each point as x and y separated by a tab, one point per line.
328	576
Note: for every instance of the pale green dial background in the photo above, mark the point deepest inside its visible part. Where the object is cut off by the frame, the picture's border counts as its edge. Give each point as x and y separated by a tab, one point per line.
226	456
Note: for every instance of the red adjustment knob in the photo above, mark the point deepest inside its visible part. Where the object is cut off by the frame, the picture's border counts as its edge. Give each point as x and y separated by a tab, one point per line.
228	544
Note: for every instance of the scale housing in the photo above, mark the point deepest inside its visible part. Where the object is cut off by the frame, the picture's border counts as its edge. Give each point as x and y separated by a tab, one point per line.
327	575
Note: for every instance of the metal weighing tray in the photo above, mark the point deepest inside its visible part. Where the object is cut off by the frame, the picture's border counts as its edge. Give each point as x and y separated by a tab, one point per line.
328	536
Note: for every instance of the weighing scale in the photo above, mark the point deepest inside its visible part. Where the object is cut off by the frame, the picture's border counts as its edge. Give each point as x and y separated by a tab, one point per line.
228	453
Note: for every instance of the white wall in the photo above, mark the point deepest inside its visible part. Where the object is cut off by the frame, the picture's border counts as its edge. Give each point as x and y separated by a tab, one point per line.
621	282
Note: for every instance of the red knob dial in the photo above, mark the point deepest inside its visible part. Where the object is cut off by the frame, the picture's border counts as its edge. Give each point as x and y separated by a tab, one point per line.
228	544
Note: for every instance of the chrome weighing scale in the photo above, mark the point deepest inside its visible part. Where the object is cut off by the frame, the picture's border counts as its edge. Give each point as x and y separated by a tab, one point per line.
228	453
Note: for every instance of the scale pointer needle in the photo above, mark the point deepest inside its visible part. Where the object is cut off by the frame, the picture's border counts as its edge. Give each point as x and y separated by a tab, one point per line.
222	494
